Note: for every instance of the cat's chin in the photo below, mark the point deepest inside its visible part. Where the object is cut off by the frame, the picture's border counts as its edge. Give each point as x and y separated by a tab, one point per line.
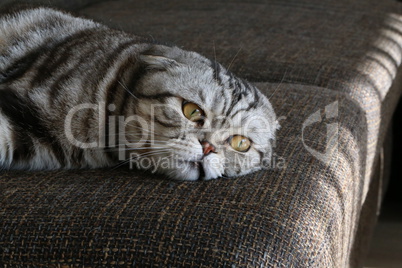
193	170
189	171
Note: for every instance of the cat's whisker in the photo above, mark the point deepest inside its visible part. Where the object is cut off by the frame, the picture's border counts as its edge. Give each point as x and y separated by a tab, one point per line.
143	129
132	144
122	163
132	158
151	148
136	127
230	64
133	149
136	134
126	89
154	153
146	130
280	83
143	136
216	73
154	141
135	146
135	139
147	141
138	155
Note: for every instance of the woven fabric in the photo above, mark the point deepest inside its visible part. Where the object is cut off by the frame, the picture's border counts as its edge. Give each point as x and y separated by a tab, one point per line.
347	46
292	215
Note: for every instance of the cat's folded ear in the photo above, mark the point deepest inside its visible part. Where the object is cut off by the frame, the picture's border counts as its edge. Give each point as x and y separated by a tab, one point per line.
157	57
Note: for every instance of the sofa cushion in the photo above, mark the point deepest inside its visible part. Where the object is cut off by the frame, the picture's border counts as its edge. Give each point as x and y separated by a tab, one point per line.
315	42
352	47
333	62
302	212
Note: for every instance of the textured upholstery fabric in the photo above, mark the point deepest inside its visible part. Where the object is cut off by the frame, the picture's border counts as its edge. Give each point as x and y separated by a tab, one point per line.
352	47
322	63
293	214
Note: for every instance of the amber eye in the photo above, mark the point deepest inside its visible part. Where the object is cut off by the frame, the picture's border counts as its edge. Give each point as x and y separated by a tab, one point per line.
192	112
240	143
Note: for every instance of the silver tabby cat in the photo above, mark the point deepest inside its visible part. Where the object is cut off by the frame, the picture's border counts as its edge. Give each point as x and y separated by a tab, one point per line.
77	94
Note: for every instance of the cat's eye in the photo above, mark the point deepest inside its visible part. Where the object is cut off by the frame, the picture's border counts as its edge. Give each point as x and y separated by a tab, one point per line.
240	143
192	111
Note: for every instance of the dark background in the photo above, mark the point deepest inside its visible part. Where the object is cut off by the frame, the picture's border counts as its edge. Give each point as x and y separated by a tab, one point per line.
393	197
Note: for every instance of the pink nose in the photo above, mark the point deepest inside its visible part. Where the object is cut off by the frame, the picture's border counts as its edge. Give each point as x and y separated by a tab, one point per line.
207	148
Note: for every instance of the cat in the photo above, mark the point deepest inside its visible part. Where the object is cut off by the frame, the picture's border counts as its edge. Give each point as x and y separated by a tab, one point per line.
77	94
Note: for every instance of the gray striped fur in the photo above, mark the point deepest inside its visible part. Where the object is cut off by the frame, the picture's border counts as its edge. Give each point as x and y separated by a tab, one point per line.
65	83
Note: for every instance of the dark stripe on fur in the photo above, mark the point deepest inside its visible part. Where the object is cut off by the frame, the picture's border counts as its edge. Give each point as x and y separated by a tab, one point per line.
20	67
216	72
166	124
23	146
135	79
57	86
241	89
160	97
261	154
111	92
116	88
59	54
255	102
24	115
232	104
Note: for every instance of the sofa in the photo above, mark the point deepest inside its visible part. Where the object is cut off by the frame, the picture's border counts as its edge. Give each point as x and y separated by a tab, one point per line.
332	71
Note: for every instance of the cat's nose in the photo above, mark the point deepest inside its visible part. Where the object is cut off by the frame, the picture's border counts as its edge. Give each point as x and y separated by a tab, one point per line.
207	147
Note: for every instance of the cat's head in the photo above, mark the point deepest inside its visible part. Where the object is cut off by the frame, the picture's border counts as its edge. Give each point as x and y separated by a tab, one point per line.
196	120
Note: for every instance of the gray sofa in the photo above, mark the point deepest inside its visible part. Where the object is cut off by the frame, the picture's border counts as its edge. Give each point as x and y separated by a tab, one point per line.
332	72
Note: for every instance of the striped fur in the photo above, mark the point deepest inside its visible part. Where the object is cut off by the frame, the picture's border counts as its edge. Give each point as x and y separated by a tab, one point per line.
67	84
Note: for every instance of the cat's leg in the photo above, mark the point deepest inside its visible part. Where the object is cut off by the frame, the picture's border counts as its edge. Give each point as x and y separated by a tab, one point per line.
18	150
6	144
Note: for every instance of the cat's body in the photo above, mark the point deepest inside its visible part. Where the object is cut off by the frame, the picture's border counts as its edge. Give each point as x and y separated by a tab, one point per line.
76	94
